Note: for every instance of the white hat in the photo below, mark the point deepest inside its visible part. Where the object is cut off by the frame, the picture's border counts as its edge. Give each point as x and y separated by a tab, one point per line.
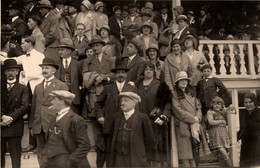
131	95
87	4
181	75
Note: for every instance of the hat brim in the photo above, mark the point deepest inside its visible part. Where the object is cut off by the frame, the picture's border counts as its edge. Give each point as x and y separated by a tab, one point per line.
182	79
118	69
147	26
148	49
194	40
101	42
186	20
11	67
44	6
56	66
65	46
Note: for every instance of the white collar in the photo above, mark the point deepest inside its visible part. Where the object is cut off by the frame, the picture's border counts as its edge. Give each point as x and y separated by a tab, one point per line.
132	57
209	77
129	113
35	29
57	9
68	59
11	81
31	8
50	78
14	18
118	84
62	113
47	15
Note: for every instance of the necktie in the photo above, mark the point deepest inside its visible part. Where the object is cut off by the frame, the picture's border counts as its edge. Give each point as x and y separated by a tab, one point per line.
9	86
129	61
79	39
27	55
46	84
66	63
126	116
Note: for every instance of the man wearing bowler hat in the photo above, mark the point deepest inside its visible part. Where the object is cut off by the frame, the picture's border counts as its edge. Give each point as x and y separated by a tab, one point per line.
107	102
67	136
131	134
69	71
14	104
41	113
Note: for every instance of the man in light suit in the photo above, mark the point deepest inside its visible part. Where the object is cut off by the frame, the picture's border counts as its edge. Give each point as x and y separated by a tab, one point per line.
41	114
50	29
33	23
69	71
131	133
14	104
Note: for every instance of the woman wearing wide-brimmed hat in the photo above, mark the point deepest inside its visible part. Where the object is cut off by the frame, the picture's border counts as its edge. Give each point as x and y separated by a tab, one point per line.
186	111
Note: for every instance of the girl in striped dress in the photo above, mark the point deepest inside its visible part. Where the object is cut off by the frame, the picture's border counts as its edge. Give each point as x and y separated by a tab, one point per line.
218	136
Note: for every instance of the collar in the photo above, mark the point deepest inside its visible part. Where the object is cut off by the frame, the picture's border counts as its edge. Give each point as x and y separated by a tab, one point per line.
129	113
118	84
65	110
31	8
11	81
165	14
50	78
132	57
68	59
209	77
14	18
3	54
35	30
29	51
57	9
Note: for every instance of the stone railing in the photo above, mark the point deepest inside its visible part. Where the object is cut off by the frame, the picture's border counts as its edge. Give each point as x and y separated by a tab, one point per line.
232	58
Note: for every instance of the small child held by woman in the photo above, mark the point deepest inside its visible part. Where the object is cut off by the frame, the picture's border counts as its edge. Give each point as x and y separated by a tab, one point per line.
218	135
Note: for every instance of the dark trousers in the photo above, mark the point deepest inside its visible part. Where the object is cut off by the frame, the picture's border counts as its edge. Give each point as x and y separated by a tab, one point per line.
14	147
60	161
122	160
99	142
40	140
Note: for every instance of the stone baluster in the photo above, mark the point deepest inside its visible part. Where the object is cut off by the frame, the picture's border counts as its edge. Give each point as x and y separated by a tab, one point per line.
222	62
251	62
211	55
258	54
232	60
242	61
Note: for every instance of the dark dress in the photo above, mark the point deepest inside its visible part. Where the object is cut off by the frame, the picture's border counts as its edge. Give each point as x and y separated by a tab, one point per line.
249	133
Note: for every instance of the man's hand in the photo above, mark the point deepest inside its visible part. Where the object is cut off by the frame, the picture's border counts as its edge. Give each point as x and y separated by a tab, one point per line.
7	119
131	83
101	120
197	120
158	121
99	79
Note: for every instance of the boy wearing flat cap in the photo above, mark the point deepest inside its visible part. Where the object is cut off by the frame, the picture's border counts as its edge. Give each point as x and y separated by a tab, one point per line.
131	134
67	138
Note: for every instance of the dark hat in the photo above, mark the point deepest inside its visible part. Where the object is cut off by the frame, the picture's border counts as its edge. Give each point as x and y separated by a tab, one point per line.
10	63
49	61
125	8
179	9
145	12
87	48
115	8
239	28
44	4
59	1
163	5
182	17
27	1
175	41
74	3
132	5
207	66
190	12
6	30
66	43
15	5
119	65
37	19
96	39
105	27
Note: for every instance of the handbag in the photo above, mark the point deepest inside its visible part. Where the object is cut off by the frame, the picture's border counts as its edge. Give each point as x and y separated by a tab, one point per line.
195	132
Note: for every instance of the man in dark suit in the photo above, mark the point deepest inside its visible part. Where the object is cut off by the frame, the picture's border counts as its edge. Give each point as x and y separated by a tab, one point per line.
164	18
18	24
14	104
80	41
134	61
30	9
41	115
69	71
49	28
131	133
67	137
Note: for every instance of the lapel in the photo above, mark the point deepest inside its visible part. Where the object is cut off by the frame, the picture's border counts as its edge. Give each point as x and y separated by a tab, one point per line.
76	41
133	61
13	93
95	62
114	92
196	58
103	61
135	121
45	22
190	100
73	71
117	122
52	86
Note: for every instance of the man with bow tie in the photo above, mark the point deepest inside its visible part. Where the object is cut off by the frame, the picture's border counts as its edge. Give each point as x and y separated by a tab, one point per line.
14	104
67	137
41	113
131	134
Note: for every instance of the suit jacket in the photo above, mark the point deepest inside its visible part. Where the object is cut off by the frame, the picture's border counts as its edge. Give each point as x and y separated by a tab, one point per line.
135	69
104	67
141	138
19	27
160	22
15	106
76	140
81	47
41	115
76	78
114	27
185	32
64	29
50	29
108	103
39	40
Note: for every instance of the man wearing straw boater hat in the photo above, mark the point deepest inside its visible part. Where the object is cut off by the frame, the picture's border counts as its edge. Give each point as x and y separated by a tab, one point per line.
41	115
130	132
14	104
67	138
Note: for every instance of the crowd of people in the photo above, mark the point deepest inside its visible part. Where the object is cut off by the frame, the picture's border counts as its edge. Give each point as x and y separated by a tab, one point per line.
68	62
